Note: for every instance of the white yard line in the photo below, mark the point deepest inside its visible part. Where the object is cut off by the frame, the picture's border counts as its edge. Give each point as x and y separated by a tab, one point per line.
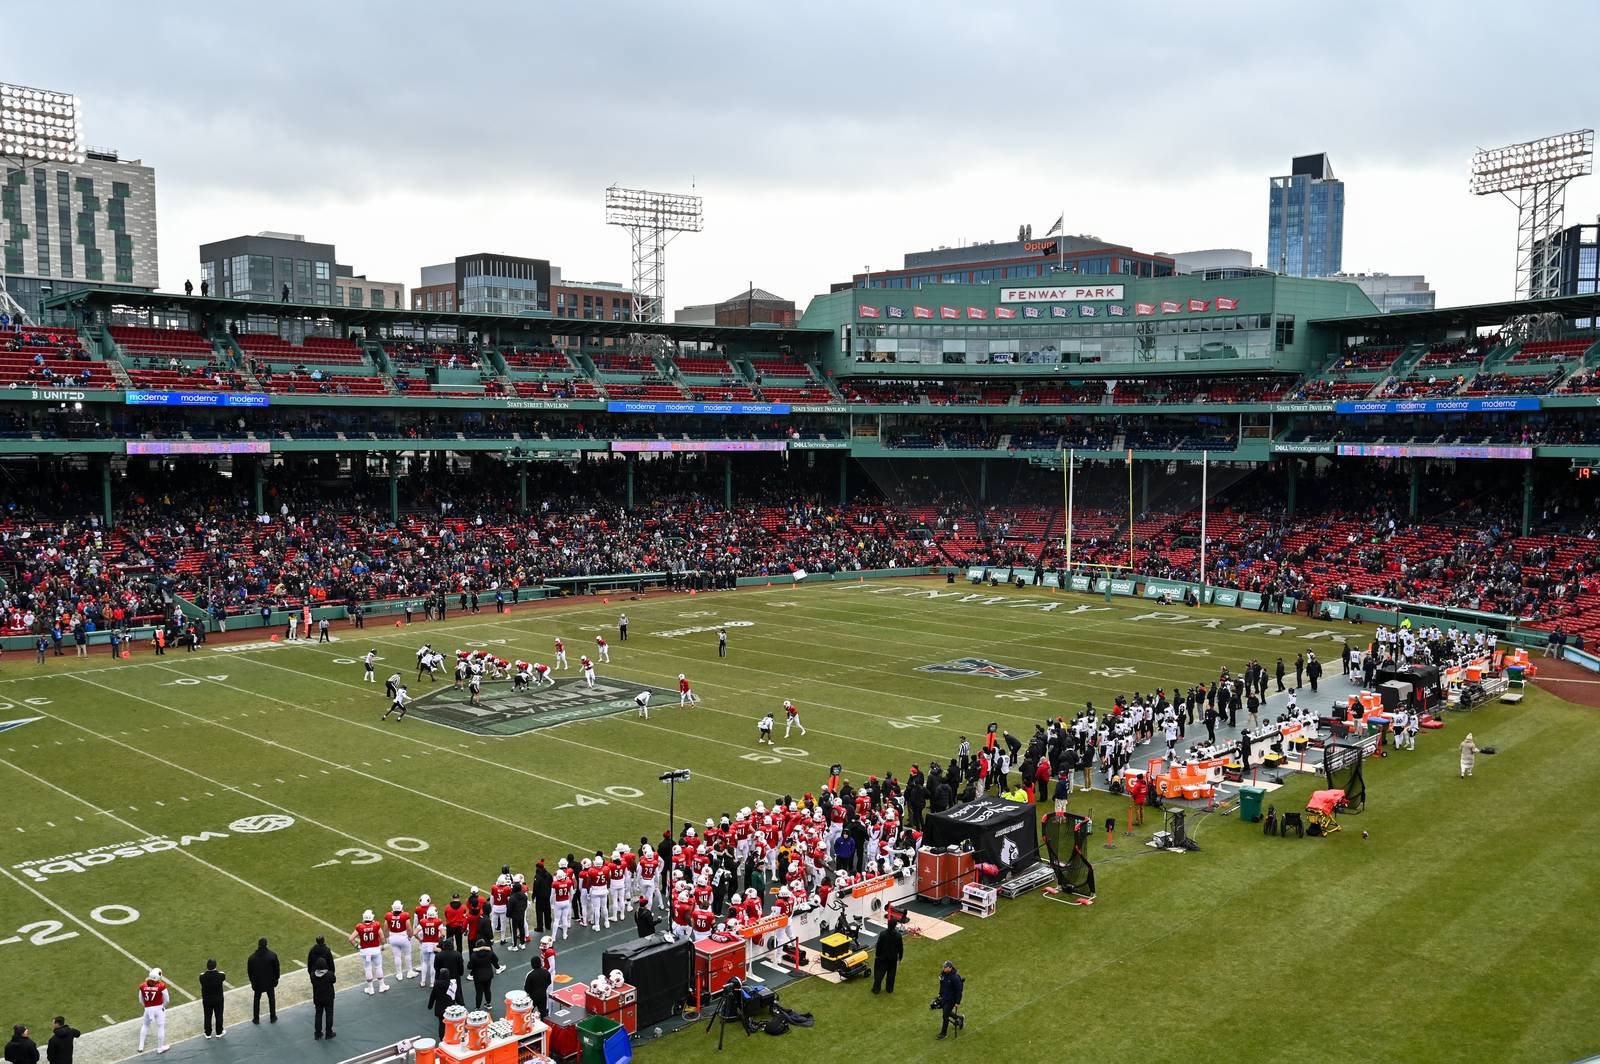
185	851
143	966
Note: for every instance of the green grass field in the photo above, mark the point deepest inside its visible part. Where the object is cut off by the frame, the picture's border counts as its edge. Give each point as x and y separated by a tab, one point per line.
1461	929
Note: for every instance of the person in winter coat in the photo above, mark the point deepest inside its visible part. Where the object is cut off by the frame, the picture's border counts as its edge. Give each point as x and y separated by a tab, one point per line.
446	992
62	1036
319	966
886	956
537	986
542	882
21	1049
1469	755
517	916
951	989
455	922
262	967
483	966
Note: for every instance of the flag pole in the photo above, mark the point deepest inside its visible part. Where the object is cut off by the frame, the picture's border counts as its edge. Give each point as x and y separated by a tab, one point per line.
1068	471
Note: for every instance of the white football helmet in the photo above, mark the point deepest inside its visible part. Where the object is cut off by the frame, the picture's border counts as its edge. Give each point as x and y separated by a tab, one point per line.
561	863
587	864
546	942
367	916
518	878
155	973
398	906
433	913
648	852
600	986
503	881
425	901
615	977
689	832
681	676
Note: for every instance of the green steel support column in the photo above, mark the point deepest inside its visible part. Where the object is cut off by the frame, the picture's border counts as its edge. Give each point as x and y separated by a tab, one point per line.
1527	499
727	483
1294	480
844	477
522	489
983	480
394	490
1144	488
261	493
1416	487
630	483
105	491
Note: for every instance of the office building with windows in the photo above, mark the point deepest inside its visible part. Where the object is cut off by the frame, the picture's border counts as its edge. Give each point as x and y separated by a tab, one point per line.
1391	292
67	226
260	266
486	283
351	289
1579	259
1305	220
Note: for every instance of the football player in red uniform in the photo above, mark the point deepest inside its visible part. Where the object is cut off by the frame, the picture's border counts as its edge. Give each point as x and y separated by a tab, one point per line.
153	1000
561	653
368	939
602	649
588	670
562	888
649	877
791	718
686	696
397	922
430	932
498	895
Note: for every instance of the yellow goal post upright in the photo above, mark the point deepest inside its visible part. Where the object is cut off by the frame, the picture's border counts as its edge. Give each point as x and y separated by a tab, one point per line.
1069	482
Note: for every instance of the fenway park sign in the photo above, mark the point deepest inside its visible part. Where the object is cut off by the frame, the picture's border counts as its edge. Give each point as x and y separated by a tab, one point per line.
1071	293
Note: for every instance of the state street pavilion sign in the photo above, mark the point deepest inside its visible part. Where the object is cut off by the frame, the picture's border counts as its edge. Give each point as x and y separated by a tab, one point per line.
508	712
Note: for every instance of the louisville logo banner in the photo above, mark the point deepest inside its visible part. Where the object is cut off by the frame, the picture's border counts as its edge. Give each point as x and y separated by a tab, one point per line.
1197	305
922	312
979	667
1004	312
1224	303
1143	310
867	312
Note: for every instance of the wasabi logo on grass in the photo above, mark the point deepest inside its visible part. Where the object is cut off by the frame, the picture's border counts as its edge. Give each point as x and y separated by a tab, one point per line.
84	860
507	712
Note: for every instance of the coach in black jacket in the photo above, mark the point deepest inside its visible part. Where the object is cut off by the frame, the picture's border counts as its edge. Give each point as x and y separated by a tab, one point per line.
542	882
537	987
262	967
62	1035
517	915
319	966
886	957
213	984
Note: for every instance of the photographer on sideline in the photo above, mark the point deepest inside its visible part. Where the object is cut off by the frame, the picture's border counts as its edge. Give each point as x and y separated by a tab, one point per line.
951	987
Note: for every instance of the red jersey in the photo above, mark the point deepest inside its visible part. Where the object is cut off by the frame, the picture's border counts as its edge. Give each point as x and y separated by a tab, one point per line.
430	929
455	916
683	687
561	889
561	648
547	959
542	669
649	866
783	905
790	709
599	641
702	918
585	662
421	913
616	871
152	994
702	895
397	923
499	894
369	934
682	909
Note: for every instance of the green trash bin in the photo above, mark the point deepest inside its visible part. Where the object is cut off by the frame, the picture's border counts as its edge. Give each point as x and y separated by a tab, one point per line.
594	1030
1249	806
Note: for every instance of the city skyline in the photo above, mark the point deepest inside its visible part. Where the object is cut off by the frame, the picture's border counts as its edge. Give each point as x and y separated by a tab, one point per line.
810	173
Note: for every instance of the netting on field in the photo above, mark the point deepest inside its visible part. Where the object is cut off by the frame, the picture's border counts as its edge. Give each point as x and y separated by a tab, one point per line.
1065	837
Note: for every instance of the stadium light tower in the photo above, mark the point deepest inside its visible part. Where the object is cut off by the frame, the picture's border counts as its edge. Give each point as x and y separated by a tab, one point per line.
1533	176
652	220
36	126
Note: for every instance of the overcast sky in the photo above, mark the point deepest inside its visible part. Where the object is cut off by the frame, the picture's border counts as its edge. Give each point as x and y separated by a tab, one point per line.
825	137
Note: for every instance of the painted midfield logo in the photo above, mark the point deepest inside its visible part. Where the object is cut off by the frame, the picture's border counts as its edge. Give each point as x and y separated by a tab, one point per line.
979	667
508	712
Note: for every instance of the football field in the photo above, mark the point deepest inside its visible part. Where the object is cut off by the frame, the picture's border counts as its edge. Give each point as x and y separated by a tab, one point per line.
162	810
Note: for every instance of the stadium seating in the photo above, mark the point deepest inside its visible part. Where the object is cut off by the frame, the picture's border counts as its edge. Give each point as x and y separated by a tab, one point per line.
517	359
328	384
142	342
699	366
815	395
1552	350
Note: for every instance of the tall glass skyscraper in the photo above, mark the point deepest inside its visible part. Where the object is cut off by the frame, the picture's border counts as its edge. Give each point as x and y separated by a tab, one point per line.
1305	220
